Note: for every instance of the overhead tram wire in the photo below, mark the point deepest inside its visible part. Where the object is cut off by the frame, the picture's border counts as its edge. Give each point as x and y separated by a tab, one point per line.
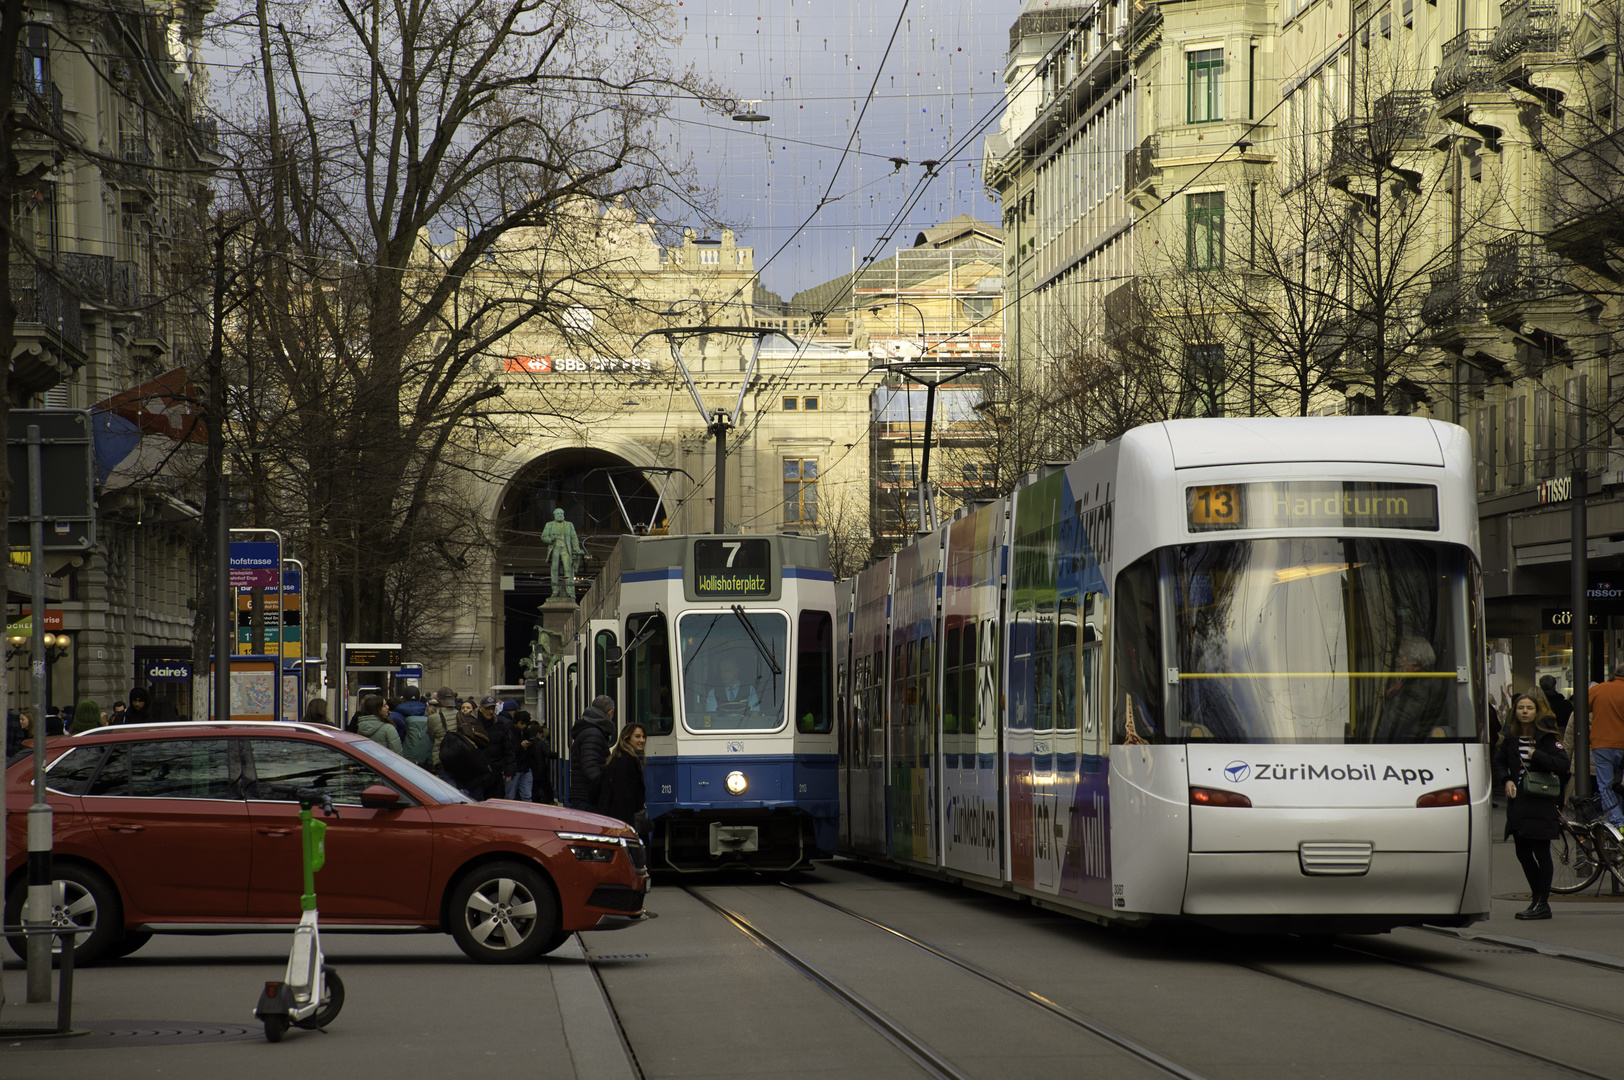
910	202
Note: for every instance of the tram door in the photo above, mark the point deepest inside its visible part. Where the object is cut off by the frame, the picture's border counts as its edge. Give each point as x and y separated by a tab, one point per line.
604	661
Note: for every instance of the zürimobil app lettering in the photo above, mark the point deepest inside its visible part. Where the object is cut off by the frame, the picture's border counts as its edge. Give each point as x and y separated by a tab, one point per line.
1244	771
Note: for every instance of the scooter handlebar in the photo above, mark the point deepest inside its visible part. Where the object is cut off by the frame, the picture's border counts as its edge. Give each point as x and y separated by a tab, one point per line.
317	796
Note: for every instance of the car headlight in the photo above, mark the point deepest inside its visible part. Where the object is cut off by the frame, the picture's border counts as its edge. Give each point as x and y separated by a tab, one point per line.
592	847
589	853
736	783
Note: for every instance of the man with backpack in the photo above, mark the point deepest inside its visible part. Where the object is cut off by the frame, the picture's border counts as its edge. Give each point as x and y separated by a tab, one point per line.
442	718
415	743
590	740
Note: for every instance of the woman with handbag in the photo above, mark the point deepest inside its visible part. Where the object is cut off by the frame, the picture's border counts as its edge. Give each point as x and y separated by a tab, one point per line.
1532	765
622	793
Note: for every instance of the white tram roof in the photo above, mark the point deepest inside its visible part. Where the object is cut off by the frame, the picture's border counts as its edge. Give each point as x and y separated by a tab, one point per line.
1391	440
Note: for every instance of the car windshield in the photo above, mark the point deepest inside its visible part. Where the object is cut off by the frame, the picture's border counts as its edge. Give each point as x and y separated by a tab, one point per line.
733	677
433	788
1321	640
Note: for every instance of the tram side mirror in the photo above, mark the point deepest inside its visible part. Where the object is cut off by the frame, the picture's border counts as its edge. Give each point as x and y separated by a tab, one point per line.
612	664
380	797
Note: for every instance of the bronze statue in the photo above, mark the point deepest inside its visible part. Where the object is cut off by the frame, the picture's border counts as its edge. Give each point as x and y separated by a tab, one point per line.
566	553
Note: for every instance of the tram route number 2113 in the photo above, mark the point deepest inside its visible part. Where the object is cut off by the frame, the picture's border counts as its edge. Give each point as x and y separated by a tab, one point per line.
1217	505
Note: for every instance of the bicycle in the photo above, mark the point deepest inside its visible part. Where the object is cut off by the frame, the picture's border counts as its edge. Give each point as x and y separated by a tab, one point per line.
1584	848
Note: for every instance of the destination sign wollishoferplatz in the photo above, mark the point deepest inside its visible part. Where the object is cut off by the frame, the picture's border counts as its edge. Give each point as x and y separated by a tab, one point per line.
741	567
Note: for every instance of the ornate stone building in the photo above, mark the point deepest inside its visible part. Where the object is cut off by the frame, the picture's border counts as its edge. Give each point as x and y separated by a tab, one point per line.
117	154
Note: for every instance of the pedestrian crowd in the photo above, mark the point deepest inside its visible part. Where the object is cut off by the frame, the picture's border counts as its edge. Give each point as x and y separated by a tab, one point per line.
488	749
144	708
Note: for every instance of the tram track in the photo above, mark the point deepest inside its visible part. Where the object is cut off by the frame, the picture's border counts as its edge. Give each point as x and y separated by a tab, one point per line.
1511	991
1436	1025
1146	1054
911	1044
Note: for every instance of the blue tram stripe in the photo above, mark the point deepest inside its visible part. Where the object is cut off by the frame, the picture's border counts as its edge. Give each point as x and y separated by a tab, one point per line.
664	573
661	574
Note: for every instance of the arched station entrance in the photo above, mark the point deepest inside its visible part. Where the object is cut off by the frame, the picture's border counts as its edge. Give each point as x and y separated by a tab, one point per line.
601	494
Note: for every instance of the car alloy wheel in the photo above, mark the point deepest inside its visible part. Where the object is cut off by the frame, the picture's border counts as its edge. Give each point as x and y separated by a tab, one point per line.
80	897
504	913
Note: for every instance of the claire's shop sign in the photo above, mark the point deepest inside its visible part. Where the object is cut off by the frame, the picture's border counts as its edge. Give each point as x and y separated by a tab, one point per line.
168	670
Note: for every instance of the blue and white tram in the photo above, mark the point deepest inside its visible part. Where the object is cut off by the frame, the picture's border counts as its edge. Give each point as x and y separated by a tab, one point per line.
1228	671
723	648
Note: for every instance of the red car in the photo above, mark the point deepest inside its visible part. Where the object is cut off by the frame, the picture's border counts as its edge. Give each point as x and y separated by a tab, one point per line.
193	828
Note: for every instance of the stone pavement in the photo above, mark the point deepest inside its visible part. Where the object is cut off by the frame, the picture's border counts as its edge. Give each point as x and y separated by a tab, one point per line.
1587	926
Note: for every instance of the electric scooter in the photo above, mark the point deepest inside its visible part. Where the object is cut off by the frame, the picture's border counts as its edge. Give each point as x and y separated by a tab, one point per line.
311	993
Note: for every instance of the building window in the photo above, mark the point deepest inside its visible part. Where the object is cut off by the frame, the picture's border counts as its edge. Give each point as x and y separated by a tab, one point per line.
809	404
898	472
791	404
1206	85
978	473
1204	218
800	491
977	308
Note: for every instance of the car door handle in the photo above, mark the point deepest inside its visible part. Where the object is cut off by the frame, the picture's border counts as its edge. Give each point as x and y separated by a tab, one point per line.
126	826
270	831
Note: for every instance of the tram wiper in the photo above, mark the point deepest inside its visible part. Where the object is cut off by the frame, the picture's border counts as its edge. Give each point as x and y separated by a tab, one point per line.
761	646
651	624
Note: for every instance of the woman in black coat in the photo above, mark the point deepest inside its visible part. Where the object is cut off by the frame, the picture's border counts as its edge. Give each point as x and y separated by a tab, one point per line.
1532	745
622	794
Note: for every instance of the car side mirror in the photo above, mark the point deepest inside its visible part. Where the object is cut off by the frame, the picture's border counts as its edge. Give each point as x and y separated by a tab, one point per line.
380	797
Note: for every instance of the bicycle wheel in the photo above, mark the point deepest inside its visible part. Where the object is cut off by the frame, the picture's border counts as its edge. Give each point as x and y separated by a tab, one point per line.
1573	856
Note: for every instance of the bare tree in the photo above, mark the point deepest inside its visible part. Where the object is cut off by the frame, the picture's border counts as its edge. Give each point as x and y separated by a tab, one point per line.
398	155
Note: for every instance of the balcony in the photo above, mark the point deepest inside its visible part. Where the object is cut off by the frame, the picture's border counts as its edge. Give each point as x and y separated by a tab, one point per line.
1124	309
1518	269
132	173
41	101
1453	301
50	338
1533	26
1468	65
1366	146
102	279
149	335
205	134
1139	168
1586	207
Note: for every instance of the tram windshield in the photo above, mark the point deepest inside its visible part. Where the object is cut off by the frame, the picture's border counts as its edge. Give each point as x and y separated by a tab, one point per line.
1303	640
734	672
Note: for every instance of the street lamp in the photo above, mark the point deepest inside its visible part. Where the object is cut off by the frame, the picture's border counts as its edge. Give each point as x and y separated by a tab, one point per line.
923	348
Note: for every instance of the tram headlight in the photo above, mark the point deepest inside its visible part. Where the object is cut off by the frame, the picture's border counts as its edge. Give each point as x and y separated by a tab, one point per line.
736	783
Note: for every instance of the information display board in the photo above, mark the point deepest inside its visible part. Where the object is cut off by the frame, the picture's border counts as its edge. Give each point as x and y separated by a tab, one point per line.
372	657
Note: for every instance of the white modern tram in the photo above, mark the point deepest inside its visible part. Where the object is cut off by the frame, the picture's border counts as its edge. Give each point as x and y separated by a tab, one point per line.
1222	670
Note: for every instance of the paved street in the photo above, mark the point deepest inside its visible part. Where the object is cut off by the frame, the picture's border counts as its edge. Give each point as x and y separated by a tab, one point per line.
697	997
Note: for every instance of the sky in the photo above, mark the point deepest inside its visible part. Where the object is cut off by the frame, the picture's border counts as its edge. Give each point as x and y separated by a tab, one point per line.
812	65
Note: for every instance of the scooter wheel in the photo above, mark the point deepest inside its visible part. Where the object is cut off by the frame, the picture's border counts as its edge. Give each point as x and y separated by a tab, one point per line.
335	1001
274	1027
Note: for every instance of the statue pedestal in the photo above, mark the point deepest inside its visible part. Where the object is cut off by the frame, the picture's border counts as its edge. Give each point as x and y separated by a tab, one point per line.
557	614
